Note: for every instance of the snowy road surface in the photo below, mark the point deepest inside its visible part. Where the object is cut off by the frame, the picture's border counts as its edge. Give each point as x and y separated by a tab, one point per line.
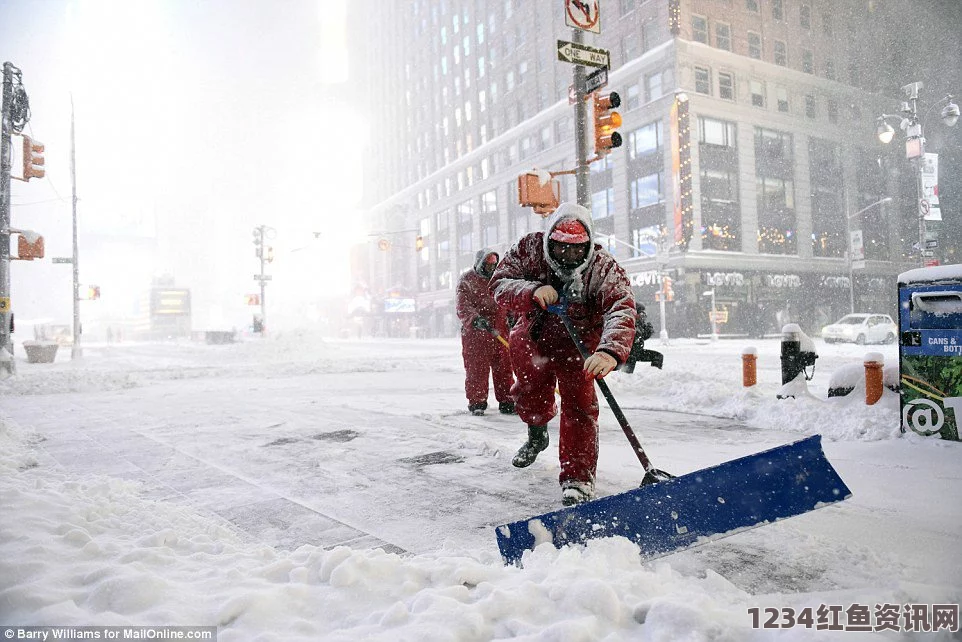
294	441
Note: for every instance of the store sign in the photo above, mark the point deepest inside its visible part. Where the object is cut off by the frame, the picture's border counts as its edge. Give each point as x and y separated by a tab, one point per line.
734	279
783	280
641	279
835	282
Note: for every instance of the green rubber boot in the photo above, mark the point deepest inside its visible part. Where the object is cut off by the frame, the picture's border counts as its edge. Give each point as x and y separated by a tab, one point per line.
537	441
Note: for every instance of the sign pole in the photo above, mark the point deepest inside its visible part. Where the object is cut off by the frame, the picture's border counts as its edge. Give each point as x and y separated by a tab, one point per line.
581	126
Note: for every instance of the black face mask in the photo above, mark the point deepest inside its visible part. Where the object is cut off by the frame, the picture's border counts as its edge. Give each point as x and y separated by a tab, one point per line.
568	255
487	270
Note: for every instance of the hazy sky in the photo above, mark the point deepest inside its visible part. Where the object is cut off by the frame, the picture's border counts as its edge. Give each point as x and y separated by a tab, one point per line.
196	120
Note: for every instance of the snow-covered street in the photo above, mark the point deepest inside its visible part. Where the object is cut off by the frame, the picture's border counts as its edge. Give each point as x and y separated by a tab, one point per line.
302	488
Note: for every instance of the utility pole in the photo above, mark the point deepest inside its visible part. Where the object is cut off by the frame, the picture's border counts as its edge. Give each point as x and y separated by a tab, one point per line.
260	234
581	129
77	350
6	343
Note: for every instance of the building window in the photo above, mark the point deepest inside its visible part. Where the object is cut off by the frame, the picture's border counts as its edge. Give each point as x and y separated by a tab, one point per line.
752	5
810	106
699	29
775	190
650	33
644	140
754	45
716	132
758	93
631	46
726	86
634	97
808	62
702	80
723	36
645	191
778	12
721	218
832	110
653	86
603	203
781	95
827	23
781	53
465	225
805	16
776	215
772	148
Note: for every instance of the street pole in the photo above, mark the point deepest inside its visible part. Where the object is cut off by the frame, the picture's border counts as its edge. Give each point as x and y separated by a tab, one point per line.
581	127
714	327
262	231
919	196
76	351
6	344
848	251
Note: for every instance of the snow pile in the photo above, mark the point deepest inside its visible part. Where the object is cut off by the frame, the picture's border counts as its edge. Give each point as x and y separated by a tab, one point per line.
117	558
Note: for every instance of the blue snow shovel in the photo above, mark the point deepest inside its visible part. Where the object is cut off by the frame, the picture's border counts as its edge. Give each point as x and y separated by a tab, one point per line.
681	512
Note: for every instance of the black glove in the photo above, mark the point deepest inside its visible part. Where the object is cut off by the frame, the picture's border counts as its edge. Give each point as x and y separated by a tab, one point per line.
480	323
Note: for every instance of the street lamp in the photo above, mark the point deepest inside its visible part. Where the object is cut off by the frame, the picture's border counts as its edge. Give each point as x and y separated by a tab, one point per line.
714	327
910	122
851	267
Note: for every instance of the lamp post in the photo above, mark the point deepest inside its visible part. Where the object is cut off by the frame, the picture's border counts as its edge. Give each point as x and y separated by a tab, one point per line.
714	321
850	253
910	122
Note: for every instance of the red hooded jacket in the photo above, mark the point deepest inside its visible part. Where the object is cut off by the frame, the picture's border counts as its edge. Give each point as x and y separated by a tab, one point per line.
600	302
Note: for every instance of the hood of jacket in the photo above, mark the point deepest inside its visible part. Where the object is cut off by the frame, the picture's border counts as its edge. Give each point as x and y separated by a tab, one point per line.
479	259
572	278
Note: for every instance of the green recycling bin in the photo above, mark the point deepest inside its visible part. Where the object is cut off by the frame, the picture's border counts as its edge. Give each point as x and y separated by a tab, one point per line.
930	350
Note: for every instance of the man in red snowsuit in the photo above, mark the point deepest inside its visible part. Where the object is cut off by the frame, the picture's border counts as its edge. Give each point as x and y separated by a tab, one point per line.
482	325
541	269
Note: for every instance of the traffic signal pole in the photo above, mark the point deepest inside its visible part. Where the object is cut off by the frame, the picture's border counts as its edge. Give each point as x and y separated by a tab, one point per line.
581	130
6	160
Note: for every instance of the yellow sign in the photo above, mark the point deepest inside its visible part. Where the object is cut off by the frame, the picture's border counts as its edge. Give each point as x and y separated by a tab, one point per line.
4	303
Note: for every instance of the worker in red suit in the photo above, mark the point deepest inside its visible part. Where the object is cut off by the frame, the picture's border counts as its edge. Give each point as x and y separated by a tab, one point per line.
483	328
543	268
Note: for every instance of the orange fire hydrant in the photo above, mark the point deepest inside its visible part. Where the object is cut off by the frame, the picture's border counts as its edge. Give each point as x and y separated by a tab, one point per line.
873	377
749	373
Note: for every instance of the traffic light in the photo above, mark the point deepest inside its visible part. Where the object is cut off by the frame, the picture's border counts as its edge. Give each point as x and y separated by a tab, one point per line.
259	242
418	243
606	121
666	289
33	160
93	292
270	254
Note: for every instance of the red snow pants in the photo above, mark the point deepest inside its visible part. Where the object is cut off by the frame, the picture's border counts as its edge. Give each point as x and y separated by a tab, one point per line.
483	353
534	393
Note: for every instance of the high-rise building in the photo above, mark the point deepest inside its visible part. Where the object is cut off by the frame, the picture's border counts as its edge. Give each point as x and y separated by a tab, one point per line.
749	140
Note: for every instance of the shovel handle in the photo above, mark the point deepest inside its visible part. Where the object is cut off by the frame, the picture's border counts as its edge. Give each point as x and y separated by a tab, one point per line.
561	310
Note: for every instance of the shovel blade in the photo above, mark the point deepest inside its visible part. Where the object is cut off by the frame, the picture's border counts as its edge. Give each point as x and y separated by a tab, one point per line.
692	509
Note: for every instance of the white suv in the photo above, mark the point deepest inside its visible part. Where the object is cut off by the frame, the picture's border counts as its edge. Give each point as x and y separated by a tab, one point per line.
861	329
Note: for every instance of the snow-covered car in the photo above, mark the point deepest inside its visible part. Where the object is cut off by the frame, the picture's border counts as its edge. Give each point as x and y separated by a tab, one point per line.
861	329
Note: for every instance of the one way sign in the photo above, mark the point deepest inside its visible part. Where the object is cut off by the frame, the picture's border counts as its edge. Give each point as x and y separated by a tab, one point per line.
583	55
